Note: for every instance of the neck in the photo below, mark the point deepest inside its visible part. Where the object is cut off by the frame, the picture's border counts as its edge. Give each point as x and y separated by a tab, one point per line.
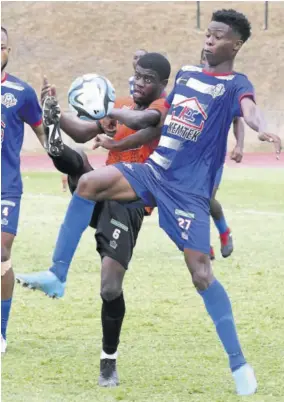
225	67
3	73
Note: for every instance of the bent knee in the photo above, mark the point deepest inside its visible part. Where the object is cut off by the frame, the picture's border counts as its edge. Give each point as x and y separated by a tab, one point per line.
87	186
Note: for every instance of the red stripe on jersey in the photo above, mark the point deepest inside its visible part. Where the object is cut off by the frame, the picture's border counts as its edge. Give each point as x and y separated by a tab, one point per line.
216	74
247	95
37	124
4	78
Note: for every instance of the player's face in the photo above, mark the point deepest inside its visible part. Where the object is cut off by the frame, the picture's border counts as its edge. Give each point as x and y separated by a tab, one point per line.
4	50
137	55
147	86
221	43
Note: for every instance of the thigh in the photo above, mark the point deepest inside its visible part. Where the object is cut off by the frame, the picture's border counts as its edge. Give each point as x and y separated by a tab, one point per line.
117	231
106	183
10	211
186	222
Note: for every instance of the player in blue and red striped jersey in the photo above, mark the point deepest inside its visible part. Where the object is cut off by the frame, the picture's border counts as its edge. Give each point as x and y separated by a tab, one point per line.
216	209
19	105
179	176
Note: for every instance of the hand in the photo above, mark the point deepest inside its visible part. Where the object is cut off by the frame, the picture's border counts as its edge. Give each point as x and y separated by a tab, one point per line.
272	138
47	90
109	126
237	154
102	140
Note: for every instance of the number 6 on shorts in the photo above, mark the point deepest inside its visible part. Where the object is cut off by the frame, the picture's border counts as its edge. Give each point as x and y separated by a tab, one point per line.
116	233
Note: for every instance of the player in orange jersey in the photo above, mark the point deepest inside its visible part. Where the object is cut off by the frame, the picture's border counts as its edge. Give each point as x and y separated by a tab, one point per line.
117	225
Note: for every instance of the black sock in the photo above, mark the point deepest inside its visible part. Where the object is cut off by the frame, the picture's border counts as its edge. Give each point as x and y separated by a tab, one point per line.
112	318
69	162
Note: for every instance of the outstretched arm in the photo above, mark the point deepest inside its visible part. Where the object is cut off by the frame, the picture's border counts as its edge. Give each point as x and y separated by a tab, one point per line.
136	119
133	141
239	133
79	130
255	120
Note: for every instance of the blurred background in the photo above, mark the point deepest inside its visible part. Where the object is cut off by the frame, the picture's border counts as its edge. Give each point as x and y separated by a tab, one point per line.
66	39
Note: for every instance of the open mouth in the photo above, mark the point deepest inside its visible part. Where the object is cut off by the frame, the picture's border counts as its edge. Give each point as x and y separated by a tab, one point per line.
137	92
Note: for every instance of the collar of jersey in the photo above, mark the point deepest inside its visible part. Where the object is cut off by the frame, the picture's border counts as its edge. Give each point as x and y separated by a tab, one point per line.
216	74
5	77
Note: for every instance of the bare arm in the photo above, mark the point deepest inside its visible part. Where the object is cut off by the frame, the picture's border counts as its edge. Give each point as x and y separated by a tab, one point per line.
136	119
255	120
79	130
133	141
239	133
39	131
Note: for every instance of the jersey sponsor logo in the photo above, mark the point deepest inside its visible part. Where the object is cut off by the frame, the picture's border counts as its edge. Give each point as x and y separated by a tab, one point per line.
8	100
187	119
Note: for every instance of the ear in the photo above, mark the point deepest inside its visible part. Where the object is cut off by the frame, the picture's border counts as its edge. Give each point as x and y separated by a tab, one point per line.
9	49
239	43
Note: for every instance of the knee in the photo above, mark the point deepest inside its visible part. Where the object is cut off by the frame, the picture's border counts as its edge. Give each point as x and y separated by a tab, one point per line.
202	278
86	187
110	292
201	272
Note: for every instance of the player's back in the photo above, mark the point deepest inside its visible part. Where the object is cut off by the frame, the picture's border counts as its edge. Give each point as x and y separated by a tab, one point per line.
18	105
132	155
194	138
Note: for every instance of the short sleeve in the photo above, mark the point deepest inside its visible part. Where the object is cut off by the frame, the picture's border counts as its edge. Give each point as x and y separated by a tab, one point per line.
243	89
31	112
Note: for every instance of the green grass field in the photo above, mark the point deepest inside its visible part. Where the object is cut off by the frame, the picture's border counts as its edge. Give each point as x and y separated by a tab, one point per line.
169	351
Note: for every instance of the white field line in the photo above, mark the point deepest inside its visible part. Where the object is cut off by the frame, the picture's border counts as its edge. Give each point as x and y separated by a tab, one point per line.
240	211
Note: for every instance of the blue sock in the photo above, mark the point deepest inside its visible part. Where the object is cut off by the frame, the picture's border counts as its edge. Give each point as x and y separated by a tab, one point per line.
221	225
5	311
77	219
219	308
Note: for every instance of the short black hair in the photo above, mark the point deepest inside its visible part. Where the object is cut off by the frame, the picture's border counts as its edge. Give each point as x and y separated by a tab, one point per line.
156	62
5	31
237	21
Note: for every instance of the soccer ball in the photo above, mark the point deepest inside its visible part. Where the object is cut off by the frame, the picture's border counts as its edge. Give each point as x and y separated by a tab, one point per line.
91	96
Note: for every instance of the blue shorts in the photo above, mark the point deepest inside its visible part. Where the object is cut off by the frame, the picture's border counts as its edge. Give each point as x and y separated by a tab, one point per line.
218	176
10	211
185	218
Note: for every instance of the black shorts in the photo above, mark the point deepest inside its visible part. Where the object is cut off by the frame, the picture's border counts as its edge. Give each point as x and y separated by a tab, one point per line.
117	229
